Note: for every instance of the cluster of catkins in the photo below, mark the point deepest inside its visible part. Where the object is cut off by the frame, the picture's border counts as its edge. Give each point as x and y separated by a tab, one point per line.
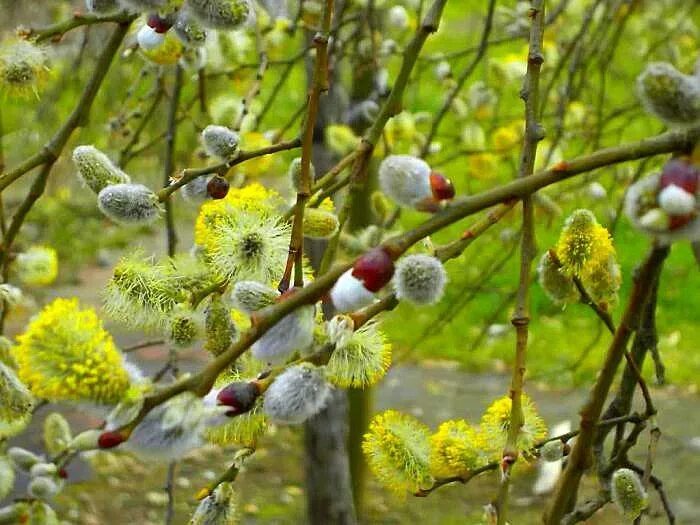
187	20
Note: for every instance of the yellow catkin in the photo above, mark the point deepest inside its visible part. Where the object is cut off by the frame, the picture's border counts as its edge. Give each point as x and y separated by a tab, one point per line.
583	245
397	449
66	354
455	449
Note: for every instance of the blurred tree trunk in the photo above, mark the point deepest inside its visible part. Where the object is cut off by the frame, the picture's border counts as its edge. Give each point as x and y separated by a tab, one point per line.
329	495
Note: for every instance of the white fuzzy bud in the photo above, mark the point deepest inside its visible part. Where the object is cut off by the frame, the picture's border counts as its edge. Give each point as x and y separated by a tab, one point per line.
349	294
405	179
443	70
669	94
10	294
128	203
552	451
7	477
398	17
188	29
251	296
148	38
87	440
340	330
43	469
220	142
299	393
218	508
96	170
42	488
195	191
674	200
294	332
222	14
628	493
22	458
420	279
103	7
597	191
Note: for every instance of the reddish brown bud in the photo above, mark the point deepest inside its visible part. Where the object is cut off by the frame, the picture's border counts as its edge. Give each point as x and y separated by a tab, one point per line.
442	187
158	23
681	173
375	269
239	395
110	439
217	187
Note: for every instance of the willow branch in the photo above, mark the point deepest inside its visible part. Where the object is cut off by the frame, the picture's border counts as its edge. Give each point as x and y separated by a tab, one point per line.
319	85
521	318
580	457
169	158
57	30
50	152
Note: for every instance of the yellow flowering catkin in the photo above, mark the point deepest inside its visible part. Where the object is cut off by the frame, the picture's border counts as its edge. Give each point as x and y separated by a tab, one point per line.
253	198
583	244
397	449
496	421
66	354
455	449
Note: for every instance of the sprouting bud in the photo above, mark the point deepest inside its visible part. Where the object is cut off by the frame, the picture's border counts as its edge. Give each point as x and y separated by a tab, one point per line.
184	329
340	329
10	294
220	142
41	513
217	187
349	293
128	204
240	396
405	179
42	488
159	24
22	67
57	434
669	94
397	448
43	469
420	279
110	439
319	224
218	326
380	206
628	493
103	7
87	440
675	201
293	333
221	14
397	17
96	170
197	190
597	191
38	266
583	243
17	400
173	429
496	421
441	187
22	458
360	358
218	508
559	287
188	30
149	39
7	478
552	450
294	172
251	296
443	70
455	449
142	5
660	204
362	114
374	268
297	394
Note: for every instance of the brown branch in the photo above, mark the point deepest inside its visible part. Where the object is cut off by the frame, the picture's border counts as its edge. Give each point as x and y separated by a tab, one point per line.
580	457
169	158
319	85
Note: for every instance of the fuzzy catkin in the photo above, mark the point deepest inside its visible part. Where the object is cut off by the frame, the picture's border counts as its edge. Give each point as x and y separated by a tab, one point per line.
220	141
221	14
294	332
128	204
405	179
96	170
420	279
297	394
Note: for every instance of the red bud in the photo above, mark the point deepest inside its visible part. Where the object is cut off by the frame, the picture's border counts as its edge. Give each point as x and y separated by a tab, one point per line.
682	173
217	187
158	23
443	189
375	269
110	439
239	395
